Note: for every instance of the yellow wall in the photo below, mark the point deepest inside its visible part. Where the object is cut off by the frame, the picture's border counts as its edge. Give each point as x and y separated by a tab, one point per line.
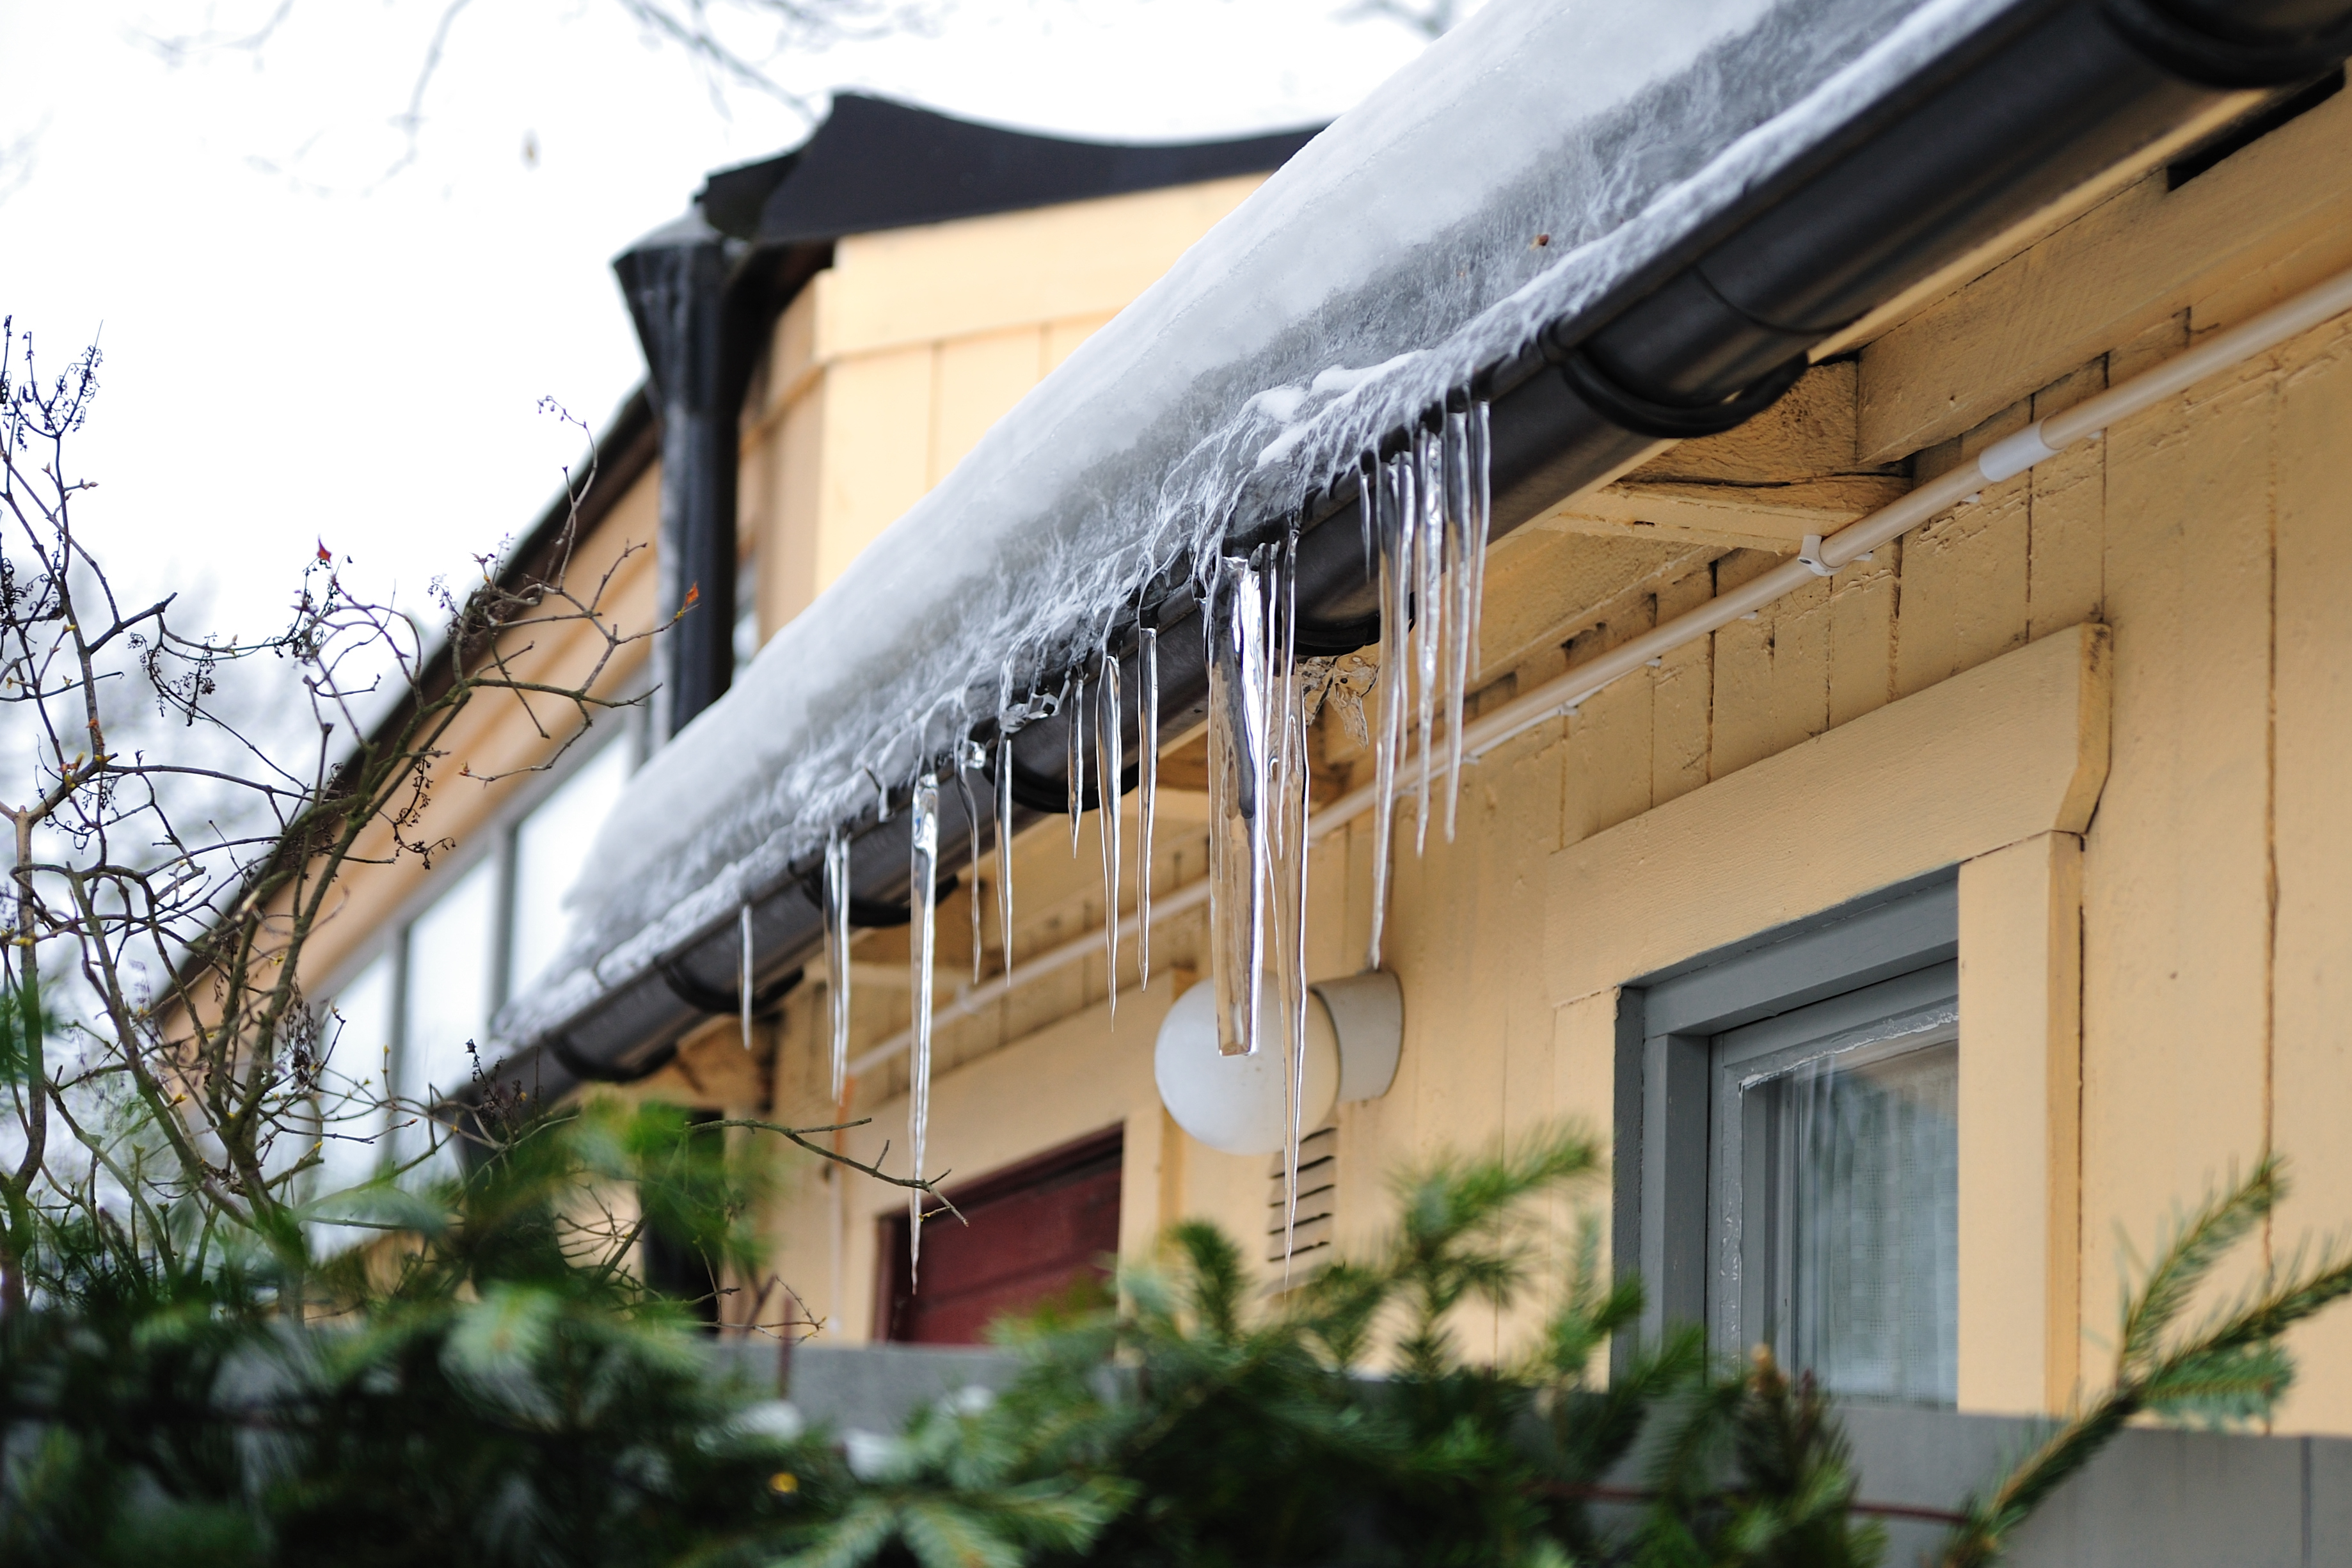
2175	945
897	359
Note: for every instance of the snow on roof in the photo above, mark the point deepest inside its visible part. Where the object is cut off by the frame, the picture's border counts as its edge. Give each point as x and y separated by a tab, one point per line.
1395	256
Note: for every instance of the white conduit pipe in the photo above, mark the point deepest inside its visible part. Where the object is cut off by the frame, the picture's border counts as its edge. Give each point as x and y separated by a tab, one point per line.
2004	459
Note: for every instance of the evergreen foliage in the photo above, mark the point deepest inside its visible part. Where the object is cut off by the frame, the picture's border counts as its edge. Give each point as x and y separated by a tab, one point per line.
492	1387
490	1383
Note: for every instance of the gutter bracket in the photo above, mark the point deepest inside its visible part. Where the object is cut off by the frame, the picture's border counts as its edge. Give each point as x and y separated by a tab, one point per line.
2255	58
1644	416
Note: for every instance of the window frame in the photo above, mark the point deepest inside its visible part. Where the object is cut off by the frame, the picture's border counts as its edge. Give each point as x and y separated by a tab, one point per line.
1664	1228
1893	1018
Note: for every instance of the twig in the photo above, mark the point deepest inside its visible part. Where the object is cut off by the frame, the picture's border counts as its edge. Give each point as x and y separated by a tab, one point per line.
803	1136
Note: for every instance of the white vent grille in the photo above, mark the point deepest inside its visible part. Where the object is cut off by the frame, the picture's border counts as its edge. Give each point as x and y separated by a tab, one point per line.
1319	1184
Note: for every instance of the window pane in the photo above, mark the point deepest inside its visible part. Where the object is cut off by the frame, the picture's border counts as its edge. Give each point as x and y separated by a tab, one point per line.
449	984
1861	1220
551	849
352	1090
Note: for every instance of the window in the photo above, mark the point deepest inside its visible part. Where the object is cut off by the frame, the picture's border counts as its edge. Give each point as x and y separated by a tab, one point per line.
1835	1171
488	928
1788	1147
349	1116
449	1000
551	850
359	1043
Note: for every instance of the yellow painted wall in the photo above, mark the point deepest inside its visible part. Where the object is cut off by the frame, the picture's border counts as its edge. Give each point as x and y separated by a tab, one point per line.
898	358
2208	879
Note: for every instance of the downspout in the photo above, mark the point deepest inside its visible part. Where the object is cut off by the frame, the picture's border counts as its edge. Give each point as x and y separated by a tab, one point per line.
676	282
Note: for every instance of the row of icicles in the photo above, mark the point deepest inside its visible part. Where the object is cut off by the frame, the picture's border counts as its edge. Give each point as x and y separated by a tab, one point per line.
1424	517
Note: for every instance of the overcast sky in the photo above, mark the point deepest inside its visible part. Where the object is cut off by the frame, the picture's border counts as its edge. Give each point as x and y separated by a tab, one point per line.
301	346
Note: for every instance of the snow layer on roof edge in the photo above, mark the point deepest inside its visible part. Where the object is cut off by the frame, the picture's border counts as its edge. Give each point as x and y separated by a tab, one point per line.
1402	239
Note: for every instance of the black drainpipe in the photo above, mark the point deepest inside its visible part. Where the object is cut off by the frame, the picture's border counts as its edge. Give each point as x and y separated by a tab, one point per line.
676	282
2042	100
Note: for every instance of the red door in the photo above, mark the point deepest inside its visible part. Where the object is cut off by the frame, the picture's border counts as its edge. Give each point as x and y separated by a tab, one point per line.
1036	1228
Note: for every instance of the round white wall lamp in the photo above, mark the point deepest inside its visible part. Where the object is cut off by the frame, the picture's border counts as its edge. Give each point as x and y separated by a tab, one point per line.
1355	1028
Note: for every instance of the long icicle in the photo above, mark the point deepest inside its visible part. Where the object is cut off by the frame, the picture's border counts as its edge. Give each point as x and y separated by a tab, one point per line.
1004	847
1461	652
1428	614
1482	507
1287	821
744	978
1383	520
1110	768
970	756
1076	736
836	954
923	873
1234	628
1146	791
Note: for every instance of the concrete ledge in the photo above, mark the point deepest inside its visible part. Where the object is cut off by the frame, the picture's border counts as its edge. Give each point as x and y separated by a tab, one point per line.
874	1388
2155	1499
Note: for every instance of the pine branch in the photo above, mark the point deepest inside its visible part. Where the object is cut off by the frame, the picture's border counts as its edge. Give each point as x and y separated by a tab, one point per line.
2232	1368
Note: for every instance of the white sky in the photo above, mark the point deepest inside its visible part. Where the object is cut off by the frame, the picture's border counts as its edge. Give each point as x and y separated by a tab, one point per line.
297	348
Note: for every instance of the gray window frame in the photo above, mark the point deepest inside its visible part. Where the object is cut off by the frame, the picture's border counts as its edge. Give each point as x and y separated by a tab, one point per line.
1887	1019
1662	1225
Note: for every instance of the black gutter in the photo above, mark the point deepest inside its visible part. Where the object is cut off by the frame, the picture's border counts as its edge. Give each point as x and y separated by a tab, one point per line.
2039	103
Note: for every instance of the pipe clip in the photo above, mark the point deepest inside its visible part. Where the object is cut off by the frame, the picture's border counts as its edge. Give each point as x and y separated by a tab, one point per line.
1809	556
2014	454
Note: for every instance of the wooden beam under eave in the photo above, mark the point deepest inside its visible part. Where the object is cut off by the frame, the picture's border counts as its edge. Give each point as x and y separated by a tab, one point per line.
1770	516
1791	471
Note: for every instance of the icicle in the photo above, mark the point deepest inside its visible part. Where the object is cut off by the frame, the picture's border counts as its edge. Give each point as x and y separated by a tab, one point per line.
836	954
923	876
970	756
1286	824
1384	520
1424	523
1463	464
1109	769
1004	847
1428	612
1454	466
1077	707
743	980
1480	462
1478	498
1236	631
1146	792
